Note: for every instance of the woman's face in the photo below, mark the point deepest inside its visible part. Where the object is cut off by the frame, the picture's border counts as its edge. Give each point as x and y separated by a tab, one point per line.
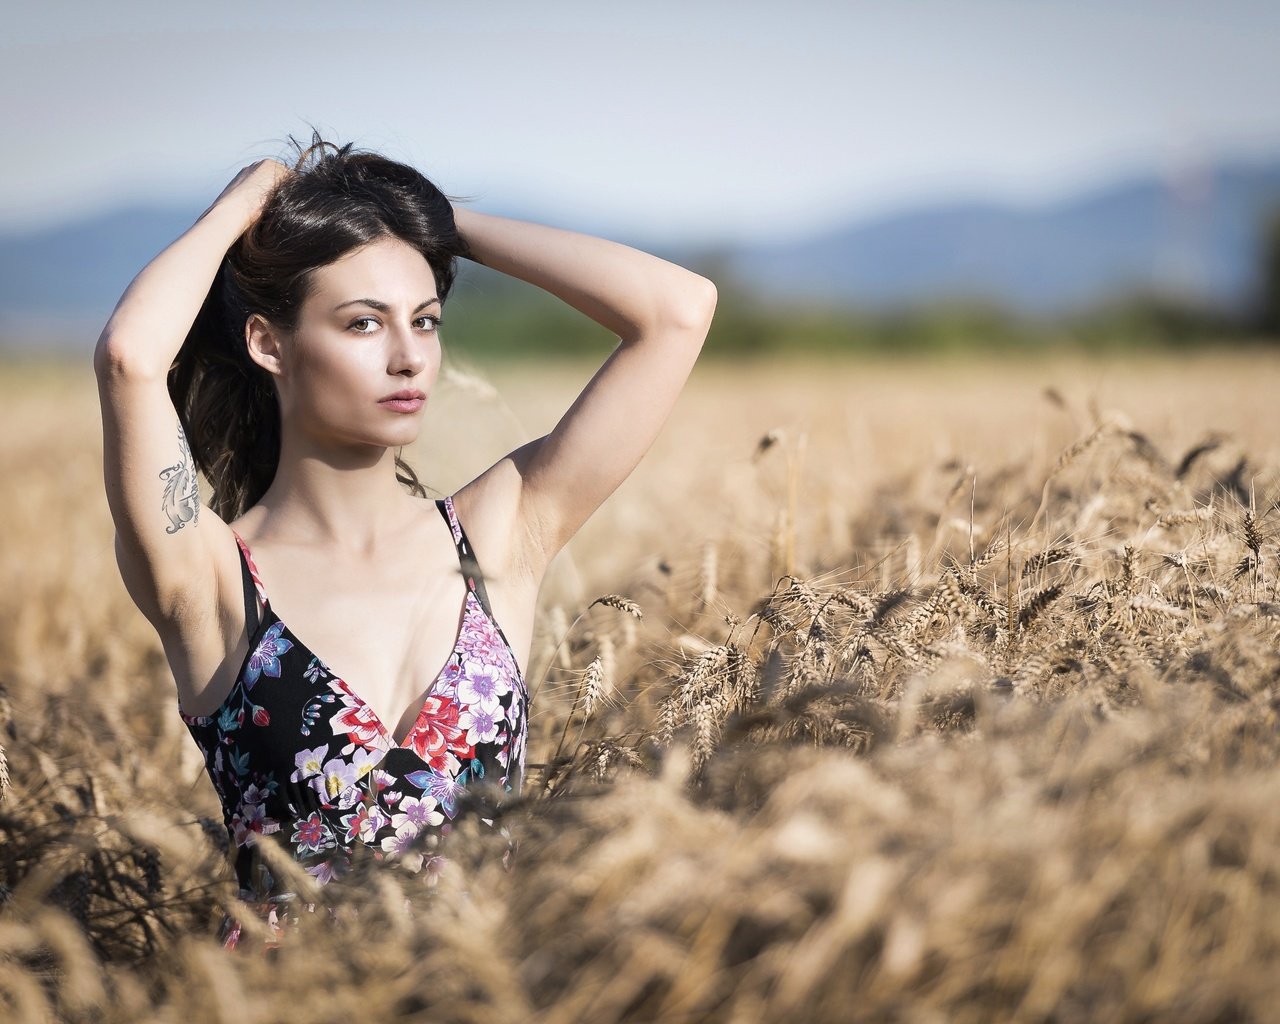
366	330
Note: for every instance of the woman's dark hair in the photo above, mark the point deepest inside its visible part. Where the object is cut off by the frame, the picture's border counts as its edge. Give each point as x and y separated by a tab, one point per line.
337	200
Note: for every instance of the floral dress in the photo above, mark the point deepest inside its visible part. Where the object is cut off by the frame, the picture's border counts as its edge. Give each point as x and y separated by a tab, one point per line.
296	754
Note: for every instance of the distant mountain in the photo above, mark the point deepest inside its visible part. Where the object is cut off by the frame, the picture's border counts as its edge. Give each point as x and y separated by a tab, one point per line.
1198	239
58	285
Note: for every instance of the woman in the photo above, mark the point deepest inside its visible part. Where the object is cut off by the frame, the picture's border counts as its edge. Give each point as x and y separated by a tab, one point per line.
344	681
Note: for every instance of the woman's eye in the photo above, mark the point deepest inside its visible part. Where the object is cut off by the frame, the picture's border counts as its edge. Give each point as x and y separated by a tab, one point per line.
432	323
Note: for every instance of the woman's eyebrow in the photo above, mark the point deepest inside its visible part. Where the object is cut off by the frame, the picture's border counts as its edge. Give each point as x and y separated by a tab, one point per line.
381	307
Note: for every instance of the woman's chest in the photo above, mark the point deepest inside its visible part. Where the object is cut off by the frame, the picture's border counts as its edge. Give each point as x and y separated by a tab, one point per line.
394	645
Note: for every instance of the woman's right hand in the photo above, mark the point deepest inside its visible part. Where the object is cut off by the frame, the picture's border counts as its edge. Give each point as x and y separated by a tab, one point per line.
251	186
156	311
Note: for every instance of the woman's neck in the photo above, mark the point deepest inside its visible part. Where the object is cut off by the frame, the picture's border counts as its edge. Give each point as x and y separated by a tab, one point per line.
343	499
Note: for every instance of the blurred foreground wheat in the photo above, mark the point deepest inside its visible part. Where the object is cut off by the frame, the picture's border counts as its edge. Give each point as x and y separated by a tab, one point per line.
1001	744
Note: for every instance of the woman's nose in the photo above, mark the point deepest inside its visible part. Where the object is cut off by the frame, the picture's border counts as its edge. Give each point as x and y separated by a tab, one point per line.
411	352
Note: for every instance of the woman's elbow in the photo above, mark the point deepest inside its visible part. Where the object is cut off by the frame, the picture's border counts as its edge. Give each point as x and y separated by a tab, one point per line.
695	310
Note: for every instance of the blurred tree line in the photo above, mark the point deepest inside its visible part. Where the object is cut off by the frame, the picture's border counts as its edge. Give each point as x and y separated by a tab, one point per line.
500	316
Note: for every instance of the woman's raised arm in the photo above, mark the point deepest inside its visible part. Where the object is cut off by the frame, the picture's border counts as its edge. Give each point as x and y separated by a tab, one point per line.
661	313
167	551
152	318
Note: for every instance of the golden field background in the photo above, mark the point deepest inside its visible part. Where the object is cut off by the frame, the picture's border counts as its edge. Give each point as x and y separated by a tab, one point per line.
954	698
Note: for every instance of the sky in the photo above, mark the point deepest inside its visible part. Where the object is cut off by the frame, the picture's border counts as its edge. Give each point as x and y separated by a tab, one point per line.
733	120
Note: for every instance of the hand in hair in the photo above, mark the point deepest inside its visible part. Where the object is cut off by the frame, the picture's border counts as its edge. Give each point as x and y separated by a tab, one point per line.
252	186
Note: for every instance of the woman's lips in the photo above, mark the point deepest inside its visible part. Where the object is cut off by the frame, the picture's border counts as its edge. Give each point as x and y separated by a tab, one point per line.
402	404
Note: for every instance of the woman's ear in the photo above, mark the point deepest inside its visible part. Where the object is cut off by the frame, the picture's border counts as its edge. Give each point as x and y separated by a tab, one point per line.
263	343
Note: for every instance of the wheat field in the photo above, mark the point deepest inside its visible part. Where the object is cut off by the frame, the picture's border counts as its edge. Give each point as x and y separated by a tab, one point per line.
919	691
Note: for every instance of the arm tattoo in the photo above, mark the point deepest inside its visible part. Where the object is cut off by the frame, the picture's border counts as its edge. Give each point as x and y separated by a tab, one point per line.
181	499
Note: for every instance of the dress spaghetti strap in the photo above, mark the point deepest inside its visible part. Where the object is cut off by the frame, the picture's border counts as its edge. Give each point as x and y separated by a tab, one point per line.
470	567
253	589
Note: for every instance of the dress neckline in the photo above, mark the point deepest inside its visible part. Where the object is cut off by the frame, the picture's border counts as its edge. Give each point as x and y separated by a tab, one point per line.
270	613
469	605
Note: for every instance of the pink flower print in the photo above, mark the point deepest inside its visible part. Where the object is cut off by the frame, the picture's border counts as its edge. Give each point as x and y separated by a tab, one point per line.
473	625
481	724
357	720
357	824
265	659
312	835
481	643
437	737
251	820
